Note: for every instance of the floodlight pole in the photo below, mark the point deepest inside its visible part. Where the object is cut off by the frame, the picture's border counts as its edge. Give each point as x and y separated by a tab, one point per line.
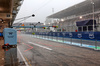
93	14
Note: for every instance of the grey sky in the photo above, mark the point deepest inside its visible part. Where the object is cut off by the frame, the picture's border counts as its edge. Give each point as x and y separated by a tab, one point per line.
43	8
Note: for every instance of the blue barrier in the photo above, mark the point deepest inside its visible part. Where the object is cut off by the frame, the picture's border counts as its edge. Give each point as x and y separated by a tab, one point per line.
1	34
10	36
76	35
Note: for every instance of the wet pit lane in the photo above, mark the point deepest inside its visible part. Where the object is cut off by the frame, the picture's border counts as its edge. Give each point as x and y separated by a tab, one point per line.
39	52
32	51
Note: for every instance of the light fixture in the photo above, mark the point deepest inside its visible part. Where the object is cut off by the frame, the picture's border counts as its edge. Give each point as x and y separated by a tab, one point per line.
81	17
62	19
1	19
49	23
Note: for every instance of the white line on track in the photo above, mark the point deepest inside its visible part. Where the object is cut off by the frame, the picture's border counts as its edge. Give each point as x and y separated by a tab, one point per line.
40	45
22	57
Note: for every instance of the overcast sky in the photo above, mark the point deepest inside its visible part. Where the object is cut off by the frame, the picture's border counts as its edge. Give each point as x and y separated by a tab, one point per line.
43	8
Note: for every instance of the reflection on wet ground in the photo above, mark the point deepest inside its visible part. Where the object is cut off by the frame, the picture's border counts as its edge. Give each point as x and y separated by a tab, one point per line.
60	55
37	53
11	58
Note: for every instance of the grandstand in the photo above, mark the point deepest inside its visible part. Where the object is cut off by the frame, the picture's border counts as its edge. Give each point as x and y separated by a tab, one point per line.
67	18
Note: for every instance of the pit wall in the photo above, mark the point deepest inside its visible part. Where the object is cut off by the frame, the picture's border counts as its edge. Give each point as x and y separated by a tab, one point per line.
76	35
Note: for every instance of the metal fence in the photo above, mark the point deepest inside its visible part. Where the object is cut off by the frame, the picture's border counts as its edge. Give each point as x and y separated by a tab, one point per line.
92	43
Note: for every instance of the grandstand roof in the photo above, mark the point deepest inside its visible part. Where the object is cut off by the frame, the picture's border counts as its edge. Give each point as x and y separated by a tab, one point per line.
78	9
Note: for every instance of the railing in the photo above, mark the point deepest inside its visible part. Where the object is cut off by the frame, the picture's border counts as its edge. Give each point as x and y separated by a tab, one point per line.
82	39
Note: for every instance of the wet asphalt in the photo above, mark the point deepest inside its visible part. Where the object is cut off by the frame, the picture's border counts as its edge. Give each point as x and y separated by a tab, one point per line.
39	52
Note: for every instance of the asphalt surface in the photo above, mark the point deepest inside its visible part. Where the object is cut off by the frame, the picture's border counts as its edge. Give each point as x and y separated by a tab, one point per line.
38	52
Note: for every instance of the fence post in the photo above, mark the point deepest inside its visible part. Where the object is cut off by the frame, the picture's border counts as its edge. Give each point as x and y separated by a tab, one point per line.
57	36
39	35
52	36
71	40
63	38
48	35
96	44
36	35
42	34
81	41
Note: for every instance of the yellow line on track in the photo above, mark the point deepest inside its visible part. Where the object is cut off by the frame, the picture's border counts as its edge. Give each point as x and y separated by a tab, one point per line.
27	61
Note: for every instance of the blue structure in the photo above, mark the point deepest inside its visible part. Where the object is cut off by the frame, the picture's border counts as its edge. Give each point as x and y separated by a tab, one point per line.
82	25
1	34
74	35
10	36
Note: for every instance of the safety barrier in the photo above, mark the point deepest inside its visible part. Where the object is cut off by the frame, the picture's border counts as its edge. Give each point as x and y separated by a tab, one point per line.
76	35
82	39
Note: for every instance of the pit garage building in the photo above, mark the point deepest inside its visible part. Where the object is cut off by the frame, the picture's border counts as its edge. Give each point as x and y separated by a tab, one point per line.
8	12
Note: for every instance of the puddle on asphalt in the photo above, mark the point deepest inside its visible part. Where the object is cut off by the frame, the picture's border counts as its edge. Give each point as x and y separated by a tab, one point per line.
11	58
